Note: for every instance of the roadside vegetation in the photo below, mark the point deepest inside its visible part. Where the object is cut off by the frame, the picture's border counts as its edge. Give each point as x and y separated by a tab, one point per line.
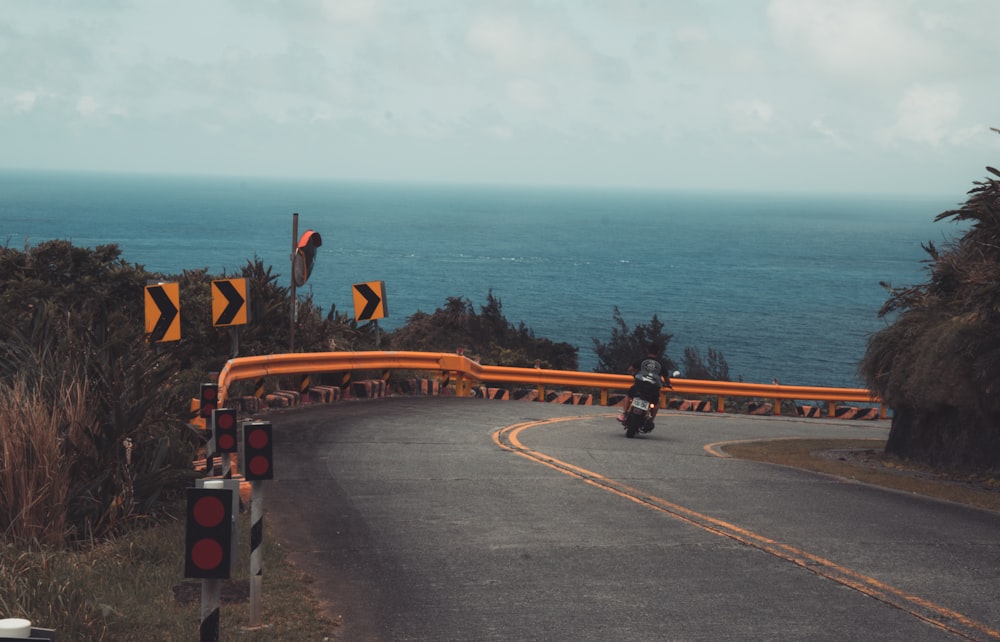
938	363
94	447
485	335
95	450
627	343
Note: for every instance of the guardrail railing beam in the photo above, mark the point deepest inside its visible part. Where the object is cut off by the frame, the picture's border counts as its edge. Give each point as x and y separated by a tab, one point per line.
467	373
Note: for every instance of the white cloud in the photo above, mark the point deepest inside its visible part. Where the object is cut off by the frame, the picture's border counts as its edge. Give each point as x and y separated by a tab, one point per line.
87	106
528	94
829	134
353	12
25	101
926	115
517	45
506	41
857	39
633	83
751	116
500	132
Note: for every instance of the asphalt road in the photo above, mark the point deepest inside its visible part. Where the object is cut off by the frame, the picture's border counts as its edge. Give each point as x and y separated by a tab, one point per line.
465	519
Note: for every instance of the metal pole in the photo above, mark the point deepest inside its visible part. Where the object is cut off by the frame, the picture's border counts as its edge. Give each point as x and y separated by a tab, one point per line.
211	591
210	446
295	242
234	341
256	550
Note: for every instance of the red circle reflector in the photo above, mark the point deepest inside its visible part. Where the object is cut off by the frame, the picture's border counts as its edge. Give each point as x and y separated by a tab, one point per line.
206	554
257	439
208	512
259	465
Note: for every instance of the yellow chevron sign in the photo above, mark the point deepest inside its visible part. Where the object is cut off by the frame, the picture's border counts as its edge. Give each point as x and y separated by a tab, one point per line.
163	312
369	301
229	302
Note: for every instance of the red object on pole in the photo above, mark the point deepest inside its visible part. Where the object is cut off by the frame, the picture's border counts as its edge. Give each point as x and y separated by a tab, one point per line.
305	256
257	453
225	430
209	400
208	533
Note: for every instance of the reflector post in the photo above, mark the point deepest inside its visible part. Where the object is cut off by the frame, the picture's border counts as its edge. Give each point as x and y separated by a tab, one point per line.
224	420
209	399
208	534
257	451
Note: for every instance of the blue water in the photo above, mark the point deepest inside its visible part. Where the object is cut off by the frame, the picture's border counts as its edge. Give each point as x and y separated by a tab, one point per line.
785	286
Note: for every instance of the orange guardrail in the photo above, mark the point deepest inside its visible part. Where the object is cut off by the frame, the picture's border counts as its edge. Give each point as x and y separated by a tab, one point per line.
466	372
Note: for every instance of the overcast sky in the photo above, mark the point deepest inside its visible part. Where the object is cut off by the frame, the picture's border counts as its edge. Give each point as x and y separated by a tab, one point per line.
815	95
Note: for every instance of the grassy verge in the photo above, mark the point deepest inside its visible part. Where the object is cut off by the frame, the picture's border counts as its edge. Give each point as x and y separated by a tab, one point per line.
133	589
863	460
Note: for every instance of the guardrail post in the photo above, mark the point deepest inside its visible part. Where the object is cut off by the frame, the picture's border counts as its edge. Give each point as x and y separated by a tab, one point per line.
604	396
777	407
722	404
831	409
541	392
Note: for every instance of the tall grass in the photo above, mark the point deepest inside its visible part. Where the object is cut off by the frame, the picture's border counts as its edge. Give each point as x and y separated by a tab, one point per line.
35	481
122	589
92	437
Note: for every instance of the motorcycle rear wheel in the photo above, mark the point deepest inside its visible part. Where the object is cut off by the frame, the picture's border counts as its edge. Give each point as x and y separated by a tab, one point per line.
633	421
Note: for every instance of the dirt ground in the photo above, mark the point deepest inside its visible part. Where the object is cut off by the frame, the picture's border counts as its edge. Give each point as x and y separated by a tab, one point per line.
863	460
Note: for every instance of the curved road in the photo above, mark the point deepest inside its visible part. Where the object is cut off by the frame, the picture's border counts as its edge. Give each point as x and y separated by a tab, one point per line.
464	519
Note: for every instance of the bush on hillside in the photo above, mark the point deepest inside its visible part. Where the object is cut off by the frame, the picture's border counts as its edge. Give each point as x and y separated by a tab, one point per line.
938	364
628	344
713	367
486	335
95	417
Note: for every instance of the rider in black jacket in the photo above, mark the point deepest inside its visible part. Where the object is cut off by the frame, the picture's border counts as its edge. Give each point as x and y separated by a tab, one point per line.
647	390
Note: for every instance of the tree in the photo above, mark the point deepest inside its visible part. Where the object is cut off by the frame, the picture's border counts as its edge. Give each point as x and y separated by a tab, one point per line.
487	335
714	369
628	344
938	364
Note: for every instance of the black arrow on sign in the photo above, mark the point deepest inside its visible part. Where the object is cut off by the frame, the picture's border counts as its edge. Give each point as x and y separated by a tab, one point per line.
234	303
373	300
168	312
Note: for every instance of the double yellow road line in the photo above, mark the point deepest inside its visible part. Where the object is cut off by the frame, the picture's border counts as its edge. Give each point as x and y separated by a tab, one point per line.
508	438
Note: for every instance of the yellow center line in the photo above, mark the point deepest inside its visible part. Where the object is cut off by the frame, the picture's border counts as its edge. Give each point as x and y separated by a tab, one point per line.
508	438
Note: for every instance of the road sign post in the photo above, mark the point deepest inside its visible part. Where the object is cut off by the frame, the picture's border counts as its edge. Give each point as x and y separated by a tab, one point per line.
208	549
208	401
256	549
225	437
370	304
303	257
258	455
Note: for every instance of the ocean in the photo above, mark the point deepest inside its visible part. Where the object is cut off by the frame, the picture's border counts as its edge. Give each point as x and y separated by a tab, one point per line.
785	286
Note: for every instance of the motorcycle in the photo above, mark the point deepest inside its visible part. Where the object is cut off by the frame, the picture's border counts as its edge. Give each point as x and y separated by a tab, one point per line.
639	417
645	393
